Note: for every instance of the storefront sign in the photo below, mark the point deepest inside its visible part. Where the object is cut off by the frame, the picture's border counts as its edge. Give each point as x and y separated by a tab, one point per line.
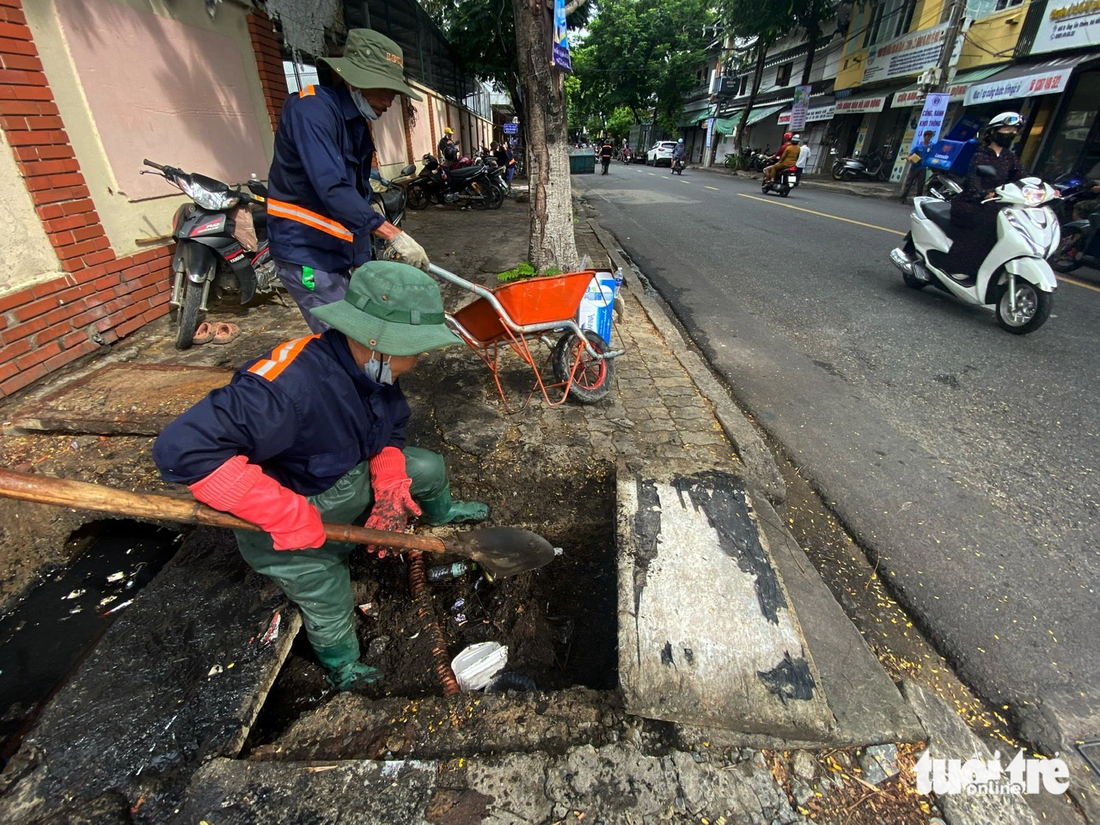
510	128
560	45
1043	83
909	54
800	106
914	97
1073	25
855	106
821	113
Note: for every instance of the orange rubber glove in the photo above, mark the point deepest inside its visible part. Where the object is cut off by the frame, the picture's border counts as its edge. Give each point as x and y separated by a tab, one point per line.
242	489
393	504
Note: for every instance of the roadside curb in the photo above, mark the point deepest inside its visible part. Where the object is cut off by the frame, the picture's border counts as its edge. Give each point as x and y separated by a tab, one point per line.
754	453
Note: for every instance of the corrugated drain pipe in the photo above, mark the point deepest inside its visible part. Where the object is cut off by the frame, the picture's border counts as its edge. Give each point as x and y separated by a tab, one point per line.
418	585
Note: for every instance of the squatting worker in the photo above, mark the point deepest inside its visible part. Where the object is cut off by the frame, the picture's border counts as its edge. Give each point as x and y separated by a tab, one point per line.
319	213
315	431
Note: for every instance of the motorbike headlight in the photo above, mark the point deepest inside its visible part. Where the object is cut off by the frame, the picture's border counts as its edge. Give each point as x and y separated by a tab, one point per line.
210	198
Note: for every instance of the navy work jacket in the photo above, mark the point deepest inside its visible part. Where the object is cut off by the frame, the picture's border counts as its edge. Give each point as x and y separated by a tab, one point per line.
306	413
318	208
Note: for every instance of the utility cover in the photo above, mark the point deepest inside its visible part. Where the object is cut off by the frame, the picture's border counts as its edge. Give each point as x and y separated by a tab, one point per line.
707	633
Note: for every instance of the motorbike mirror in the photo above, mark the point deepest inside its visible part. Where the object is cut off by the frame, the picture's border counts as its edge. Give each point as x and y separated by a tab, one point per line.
985	171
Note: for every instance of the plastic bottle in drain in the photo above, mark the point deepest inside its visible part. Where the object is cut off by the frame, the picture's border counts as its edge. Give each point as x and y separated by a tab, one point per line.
446	572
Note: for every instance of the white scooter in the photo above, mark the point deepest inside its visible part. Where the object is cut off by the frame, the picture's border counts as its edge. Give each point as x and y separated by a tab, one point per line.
1014	277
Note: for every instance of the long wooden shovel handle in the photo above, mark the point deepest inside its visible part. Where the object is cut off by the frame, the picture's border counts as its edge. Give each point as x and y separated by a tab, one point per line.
83	496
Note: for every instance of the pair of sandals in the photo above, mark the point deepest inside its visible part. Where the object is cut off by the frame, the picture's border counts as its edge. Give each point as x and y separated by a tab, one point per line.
220	333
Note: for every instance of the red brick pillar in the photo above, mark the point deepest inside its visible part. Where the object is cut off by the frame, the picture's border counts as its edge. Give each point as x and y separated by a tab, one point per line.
269	61
102	297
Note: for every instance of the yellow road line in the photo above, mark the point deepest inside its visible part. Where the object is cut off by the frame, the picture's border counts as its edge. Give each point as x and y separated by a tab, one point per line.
822	214
1075	282
715	188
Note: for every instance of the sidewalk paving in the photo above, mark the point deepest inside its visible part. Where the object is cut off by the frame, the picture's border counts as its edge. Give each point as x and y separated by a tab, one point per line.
667	418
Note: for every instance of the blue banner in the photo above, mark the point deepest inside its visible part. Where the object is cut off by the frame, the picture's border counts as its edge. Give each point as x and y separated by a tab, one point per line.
561	37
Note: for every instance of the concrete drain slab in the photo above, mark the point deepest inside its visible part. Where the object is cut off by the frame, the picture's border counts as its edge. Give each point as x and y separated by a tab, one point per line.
707	633
177	680
121	399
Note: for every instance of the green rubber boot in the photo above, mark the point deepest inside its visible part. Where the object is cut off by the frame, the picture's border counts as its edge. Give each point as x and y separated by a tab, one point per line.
343	669
444	510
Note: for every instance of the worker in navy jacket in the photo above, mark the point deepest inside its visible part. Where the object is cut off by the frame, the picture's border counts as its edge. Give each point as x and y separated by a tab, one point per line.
319	213
315	431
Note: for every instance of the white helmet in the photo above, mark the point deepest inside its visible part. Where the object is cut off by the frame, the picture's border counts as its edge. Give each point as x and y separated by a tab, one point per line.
796	138
1005	119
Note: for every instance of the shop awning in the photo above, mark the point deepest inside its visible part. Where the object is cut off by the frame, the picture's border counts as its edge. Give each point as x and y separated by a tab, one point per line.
1047	77
727	125
756	115
693	114
913	96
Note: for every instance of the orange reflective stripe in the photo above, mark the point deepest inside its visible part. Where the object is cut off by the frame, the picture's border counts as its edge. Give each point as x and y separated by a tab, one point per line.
280	359
292	212
307	91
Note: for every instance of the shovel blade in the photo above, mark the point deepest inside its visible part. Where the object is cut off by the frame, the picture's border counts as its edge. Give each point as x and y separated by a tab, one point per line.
503	551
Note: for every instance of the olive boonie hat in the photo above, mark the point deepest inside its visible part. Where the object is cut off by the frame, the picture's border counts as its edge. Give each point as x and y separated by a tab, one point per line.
372	61
393	308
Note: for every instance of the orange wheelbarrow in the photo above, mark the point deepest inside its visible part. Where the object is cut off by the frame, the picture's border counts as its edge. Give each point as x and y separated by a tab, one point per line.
531	313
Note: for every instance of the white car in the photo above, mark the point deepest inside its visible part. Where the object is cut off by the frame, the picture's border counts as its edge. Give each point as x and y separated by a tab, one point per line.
660	154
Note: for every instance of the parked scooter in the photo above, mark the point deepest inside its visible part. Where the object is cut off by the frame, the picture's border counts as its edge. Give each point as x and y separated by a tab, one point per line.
1080	245
871	167
784	181
1014	277
221	244
469	186
389	201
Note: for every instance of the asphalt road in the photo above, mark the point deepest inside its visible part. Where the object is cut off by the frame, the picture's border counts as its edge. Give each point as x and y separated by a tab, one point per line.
965	459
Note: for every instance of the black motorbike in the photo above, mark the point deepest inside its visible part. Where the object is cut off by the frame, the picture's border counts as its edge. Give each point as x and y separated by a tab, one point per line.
1080	245
221	245
468	186
784	181
389	199
678	165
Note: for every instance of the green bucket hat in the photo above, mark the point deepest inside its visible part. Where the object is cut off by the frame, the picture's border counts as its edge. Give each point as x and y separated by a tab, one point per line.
371	61
393	308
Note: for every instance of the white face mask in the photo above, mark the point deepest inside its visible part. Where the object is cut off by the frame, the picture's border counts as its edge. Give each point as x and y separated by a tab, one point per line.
378	370
362	105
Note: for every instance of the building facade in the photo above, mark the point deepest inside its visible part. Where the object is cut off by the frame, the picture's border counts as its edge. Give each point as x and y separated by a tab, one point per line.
88	90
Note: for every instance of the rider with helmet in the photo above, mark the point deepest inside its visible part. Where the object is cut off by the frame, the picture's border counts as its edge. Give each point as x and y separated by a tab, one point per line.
788	157
677	154
967	210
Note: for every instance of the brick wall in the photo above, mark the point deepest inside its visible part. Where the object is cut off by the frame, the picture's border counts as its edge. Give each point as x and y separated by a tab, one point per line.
101	298
269	61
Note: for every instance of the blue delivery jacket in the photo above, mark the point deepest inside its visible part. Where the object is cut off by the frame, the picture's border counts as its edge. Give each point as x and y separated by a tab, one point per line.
318	207
306	413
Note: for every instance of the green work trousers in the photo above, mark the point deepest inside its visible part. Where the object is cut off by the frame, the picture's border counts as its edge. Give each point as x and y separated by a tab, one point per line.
318	580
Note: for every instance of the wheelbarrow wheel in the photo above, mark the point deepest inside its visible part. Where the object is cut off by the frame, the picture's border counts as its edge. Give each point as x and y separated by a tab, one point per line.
592	377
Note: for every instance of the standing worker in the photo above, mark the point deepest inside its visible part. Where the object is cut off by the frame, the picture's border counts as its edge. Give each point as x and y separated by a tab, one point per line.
319	212
606	151
916	173
313	432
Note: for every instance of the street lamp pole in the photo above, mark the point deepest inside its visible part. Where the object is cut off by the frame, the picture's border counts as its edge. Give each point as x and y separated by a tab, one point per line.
958	8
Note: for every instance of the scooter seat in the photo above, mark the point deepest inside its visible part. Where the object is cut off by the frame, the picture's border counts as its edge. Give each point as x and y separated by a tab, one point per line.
939	212
466	172
393	201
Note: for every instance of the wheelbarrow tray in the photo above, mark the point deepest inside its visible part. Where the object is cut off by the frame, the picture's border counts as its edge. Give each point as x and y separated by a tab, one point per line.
540	300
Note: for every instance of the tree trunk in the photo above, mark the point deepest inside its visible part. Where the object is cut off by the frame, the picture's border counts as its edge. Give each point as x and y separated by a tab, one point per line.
813	34
757	77
552	242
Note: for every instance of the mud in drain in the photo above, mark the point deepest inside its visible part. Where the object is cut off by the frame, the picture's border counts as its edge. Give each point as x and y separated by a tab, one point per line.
558	623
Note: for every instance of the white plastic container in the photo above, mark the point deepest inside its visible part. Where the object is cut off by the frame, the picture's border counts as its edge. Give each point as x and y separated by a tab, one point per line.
476	666
598	304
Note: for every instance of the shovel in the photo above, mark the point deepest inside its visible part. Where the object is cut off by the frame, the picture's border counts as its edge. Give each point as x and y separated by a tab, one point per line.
502	551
